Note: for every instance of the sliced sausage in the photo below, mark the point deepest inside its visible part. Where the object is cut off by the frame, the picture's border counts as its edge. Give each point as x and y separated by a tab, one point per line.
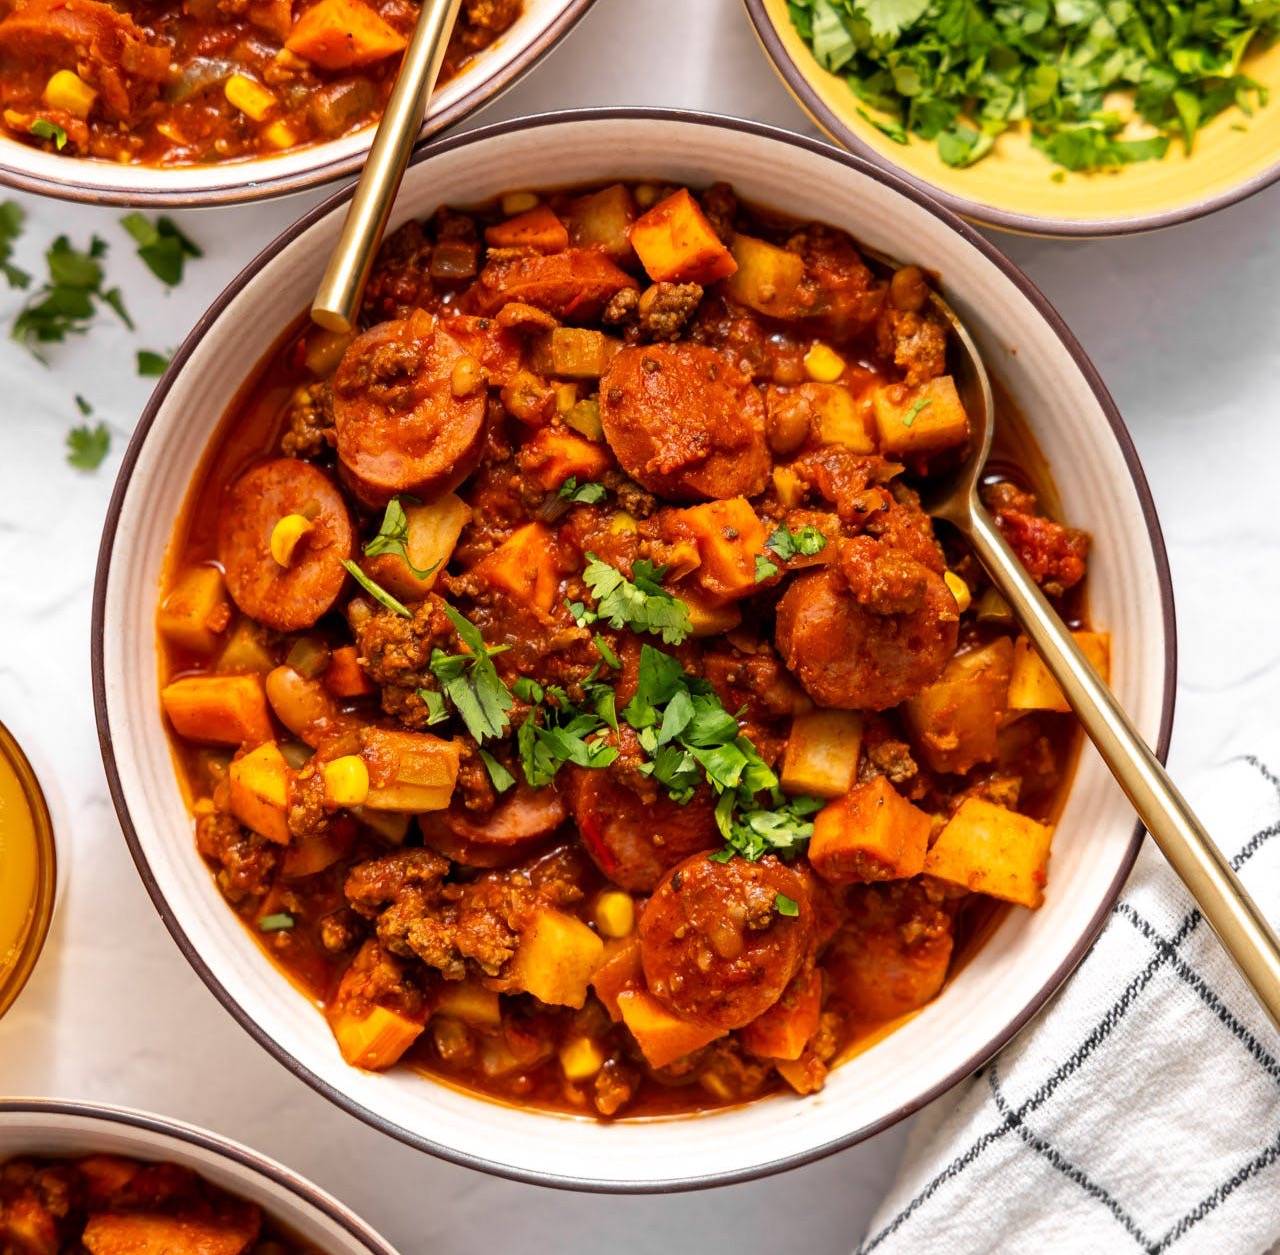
713	944
868	631
633	841
106	46
292	597
502	837
575	284
684	422
400	427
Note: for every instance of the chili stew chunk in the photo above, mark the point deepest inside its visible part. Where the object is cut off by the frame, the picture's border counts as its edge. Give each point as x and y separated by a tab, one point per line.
577	700
165	83
109	1205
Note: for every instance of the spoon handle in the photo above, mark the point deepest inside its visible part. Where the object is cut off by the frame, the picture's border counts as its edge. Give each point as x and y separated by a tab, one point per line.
338	297
1240	926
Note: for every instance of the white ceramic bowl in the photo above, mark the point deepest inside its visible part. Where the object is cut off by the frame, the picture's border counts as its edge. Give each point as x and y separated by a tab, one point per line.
539	28
37	1127
1102	487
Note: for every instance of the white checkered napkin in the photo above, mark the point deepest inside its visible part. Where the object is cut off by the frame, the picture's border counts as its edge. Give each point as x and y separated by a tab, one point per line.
1141	1110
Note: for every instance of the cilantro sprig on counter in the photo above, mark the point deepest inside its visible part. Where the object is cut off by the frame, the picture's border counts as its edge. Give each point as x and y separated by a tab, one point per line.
69	299
11	220
161	245
961	72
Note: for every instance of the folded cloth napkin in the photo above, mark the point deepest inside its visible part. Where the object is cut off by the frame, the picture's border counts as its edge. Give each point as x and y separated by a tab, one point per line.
1141	1110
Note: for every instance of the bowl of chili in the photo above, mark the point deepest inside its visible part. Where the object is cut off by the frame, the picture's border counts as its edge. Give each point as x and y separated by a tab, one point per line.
210	547
196	104
85	1176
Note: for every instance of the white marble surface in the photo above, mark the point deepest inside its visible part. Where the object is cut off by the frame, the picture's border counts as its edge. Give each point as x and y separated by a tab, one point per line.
1182	326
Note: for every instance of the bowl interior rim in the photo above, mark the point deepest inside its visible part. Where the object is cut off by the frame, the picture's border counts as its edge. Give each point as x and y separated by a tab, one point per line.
294	1183
1017	222
1007	1030
257	186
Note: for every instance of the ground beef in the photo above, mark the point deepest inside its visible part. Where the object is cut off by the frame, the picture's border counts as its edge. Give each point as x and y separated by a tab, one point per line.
307	816
916	342
885	753
621	309
309	431
1053	553
720	204
400	281
246	861
664	308
395	651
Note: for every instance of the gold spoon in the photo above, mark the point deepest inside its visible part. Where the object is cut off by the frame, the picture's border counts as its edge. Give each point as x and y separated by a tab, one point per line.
1182	839
338	298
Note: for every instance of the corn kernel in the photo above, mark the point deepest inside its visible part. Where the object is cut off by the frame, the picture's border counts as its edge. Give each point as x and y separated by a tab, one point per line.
622	523
615	913
66	90
581	1059
249	97
280	136
518	203
959	590
466	377
566	397
346	781
786	483
646	195
823	363
285	536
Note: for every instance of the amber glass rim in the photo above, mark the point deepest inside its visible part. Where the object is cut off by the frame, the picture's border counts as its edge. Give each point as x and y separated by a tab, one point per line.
31	944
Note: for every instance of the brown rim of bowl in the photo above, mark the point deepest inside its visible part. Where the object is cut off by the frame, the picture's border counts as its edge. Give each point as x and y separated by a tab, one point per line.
12	984
830	123
975	1061
245	1156
254	189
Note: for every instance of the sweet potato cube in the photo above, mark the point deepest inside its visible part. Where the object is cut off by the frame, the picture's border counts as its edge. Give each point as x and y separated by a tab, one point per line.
470	1002
619	970
556	958
603	221
344	676
730	536
218	709
872	833
342	35
195	612
989	849
408	771
676	243
538	229
554	455
260	792
663	1036
785	1029
956	720
165	1233
923	419
1031	687
524	566
768	277
432	530
376	1040
822	753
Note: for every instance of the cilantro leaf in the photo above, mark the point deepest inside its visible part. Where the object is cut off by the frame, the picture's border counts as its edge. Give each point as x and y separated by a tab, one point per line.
583	494
471	682
393	537
500	777
376	591
151	364
786	906
42	128
919	404
787	544
606	652
765	570
88	446
640	603
433	700
161	245
11	220
280	922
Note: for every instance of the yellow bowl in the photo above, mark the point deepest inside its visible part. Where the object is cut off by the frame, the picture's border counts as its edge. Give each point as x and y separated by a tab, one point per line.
1013	188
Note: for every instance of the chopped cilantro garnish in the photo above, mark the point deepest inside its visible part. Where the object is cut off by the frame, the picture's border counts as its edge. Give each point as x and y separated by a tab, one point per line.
376	591
87	446
393	537
785	905
280	922
765	569
583	494
152	364
606	651
433	700
786	543
83	406
527	690
11	219
962	72
42	128
920	403
471	682
640	603
783	830
501	778
66	302
161	245
557	732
